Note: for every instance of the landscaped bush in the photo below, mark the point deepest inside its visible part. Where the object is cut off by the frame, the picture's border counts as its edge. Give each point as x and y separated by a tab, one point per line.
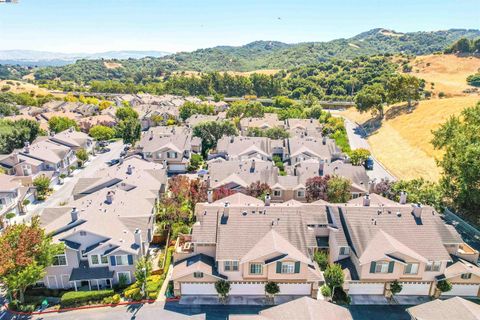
84	297
154	284
133	294
115	299
168	260
15	305
45	292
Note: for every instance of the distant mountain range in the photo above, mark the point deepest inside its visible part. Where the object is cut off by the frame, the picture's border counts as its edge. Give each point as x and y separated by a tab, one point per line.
46	58
150	65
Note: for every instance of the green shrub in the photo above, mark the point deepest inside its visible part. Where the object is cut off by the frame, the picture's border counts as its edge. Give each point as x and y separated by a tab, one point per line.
168	260
326	291
444	285
133	294
115	299
321	258
82	297
25	307
26	202
10	215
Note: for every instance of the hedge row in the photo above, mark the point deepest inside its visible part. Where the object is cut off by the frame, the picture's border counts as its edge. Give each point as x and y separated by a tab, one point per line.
134	292
83	297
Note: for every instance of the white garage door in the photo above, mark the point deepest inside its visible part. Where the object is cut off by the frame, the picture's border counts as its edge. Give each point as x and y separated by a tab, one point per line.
415	289
466	290
247	289
366	288
295	288
198	289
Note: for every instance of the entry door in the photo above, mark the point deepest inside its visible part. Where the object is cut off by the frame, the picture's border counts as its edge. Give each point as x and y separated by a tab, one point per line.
52	282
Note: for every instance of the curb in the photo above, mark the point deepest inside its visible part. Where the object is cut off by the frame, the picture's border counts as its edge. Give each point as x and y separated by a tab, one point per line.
96	306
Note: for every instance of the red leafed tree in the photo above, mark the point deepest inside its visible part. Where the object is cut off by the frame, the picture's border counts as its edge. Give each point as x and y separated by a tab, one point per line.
25	253
316	188
258	189
222	192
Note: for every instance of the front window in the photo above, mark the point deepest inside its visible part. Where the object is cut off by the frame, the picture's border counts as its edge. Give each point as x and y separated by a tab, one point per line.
171	155
433	266
344	251
381	267
256	268
60	260
98	259
301	193
277	193
288	267
230	265
198	274
466	276
121	260
411	268
125	276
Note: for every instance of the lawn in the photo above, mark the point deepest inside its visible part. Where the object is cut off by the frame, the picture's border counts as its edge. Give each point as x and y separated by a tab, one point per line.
402	143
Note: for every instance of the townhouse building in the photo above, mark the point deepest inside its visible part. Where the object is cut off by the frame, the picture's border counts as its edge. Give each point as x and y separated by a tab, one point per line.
249	242
172	146
105	230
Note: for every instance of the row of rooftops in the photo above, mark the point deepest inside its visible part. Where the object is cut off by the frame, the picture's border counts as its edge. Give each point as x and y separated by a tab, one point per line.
113	204
236	223
53	149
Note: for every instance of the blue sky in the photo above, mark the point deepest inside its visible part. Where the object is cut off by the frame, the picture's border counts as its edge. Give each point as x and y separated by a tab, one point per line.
185	25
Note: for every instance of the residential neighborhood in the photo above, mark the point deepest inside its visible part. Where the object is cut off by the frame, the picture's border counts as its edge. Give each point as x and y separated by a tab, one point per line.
262	218
241	160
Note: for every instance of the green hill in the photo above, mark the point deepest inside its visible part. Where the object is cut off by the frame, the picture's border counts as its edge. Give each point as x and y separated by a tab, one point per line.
260	55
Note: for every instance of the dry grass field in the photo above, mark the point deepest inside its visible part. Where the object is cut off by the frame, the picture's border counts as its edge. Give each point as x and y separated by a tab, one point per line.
21	86
402	143
447	72
112	65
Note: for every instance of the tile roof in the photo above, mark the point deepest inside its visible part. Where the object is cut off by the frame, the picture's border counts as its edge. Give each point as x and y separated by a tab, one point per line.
248	224
450	309
304	308
388	229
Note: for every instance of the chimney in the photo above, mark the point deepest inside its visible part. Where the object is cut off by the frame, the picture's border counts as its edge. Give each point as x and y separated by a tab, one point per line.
129	169
311	120
164	162
71	129
321	167
209	196
324	140
226	209
252	168
208	181
74	214
403	197
417	211
26	148
232	139
15	157
138	238
151	135
267	199
109	199
366	200
371	186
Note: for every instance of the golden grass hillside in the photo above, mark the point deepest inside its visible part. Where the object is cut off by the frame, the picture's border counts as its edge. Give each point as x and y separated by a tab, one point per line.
447	72
21	86
402	143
